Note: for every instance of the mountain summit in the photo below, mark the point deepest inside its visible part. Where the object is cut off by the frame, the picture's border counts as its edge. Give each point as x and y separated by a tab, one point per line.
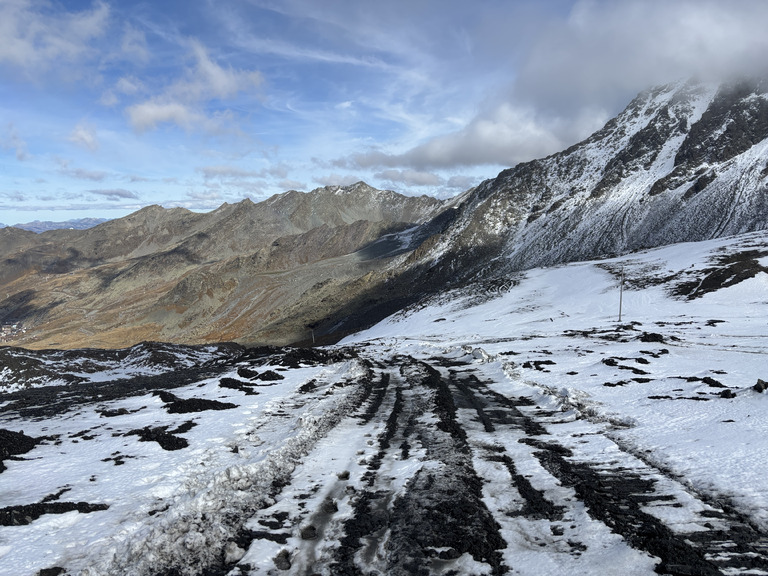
683	162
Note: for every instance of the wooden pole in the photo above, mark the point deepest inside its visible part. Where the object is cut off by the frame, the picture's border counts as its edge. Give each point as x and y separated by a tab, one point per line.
621	292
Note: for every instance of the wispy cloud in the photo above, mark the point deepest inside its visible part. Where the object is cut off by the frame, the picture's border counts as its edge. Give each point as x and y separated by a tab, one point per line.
183	102
115	194
12	141
39	37
335	179
411	177
80	173
85	136
224	172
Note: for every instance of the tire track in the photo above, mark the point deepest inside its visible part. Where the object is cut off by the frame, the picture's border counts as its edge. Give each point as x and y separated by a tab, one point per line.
622	495
439	520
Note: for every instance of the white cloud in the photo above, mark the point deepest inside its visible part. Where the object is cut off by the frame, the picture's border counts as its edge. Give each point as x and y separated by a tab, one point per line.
227	174
503	135
410	177
12	141
134	45
460	182
125	86
183	101
148	115
37	37
108	99
337	179
604	49
80	173
85	136
291	185
115	194
129	85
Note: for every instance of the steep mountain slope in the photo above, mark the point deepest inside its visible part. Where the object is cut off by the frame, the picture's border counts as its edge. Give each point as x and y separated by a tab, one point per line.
682	162
179	276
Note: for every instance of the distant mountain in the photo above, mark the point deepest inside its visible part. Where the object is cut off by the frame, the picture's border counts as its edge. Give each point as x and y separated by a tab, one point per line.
77	224
260	273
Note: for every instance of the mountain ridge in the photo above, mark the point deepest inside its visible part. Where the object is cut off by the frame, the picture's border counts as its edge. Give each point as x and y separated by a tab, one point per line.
176	275
661	172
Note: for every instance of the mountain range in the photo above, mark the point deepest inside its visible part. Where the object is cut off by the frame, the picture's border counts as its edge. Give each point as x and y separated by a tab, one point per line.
683	162
44	226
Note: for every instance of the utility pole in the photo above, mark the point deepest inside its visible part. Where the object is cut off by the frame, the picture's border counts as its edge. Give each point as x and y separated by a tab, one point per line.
621	291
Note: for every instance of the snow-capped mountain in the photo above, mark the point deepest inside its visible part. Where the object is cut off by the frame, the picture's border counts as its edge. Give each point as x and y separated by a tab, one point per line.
683	162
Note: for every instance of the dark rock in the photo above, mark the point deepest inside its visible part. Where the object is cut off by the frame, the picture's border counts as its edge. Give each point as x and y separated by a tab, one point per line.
761	386
712	382
14	443
329	506
651	337
308	387
54	571
727	393
244	372
28	513
283	560
308	532
176	405
269	376
160	435
234	384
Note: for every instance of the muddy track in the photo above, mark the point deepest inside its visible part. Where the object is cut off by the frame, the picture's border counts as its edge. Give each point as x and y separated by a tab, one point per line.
621	495
439	516
489	477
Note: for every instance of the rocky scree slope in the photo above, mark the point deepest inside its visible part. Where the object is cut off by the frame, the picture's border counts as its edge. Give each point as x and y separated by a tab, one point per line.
178	276
683	162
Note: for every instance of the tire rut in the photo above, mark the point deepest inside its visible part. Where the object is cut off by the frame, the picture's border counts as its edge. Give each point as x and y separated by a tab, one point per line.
621	497
439	519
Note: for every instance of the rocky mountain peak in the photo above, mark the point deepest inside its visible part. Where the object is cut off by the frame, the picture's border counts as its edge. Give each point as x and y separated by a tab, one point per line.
683	162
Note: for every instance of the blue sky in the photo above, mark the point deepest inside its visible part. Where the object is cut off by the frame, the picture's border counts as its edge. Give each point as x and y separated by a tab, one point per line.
107	106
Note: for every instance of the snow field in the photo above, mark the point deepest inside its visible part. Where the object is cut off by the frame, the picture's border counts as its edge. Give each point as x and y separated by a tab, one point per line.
568	315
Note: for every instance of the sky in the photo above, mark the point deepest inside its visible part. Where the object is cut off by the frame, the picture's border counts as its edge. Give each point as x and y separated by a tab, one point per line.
107	106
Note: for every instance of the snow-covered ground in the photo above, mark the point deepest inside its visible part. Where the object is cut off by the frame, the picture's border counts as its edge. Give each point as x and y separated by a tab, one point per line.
523	431
567	317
